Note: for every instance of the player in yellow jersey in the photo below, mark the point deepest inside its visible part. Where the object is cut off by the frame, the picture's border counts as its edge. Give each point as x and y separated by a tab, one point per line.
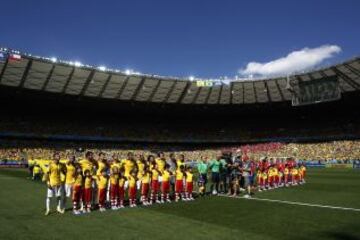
179	184
70	170
189	176
294	176
275	173
140	165
88	163
145	185
36	172
263	180
302	170
154	183
114	188
129	163
101	163
102	182
77	191
122	180
160	163
181	161
115	163
132	188
88	181
270	174
286	175
165	186
53	177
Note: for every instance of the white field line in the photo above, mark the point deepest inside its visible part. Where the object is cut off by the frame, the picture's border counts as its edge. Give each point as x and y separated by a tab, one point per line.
294	203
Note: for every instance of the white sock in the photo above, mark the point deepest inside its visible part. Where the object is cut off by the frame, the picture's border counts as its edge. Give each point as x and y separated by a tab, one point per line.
59	203
47	203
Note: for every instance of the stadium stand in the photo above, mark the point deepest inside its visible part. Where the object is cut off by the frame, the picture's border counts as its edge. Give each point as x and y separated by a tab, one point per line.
57	104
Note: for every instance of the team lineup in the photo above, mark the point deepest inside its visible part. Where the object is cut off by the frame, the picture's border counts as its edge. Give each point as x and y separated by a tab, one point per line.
94	182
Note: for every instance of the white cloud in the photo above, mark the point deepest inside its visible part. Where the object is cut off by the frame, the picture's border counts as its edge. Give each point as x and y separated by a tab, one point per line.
296	61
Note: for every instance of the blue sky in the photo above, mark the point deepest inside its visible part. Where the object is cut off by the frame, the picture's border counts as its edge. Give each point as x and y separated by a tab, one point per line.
180	38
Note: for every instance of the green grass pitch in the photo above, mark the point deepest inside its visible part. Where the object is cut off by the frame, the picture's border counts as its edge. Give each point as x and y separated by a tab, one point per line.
22	214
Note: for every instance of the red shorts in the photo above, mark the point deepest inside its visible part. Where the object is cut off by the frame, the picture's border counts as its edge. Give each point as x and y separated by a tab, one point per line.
165	187
271	180
179	186
276	179
102	196
87	195
189	187
114	191
144	189
76	194
121	193
132	192
155	186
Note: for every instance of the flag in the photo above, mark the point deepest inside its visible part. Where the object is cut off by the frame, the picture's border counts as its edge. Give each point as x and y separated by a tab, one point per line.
3	56
14	57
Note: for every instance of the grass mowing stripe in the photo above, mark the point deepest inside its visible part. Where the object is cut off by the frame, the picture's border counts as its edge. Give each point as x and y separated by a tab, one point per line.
294	203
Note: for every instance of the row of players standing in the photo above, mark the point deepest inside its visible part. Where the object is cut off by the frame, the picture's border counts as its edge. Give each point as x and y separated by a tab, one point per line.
238	173
91	181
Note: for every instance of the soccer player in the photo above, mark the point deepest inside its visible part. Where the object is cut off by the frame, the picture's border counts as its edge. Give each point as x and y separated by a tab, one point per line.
140	165
160	163
129	163
270	177
286	175
154	183
179	188
165	186
114	188
145	185
77	190
87	193
302	170
36	172
275	173
294	175
264	180
132	188
122	180
101	163
181	161
202	168
102	182
189	184
215	175
54	184
69	177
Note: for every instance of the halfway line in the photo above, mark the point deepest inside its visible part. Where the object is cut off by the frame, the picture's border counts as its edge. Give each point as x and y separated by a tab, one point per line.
293	203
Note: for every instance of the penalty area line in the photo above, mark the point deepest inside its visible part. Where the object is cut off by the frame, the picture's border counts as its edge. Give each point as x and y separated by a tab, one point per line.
293	203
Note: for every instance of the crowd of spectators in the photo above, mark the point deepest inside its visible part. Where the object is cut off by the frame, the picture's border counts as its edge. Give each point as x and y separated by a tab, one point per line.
339	151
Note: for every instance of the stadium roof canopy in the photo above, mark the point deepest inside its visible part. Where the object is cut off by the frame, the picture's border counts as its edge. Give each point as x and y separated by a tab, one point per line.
27	72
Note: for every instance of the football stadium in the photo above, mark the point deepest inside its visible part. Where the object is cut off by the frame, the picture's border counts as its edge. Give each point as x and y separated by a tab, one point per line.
95	152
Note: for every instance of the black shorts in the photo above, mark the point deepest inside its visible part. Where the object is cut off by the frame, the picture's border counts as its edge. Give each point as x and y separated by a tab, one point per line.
203	178
215	177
